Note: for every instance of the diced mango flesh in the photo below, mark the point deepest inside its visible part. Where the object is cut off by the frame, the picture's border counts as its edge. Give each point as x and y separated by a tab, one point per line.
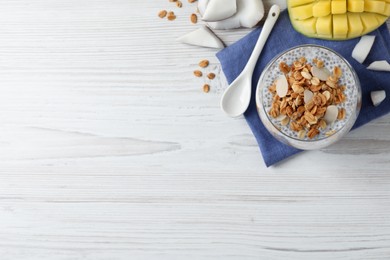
321	8
355	6
374	6
341	30
339	7
355	26
302	12
337	19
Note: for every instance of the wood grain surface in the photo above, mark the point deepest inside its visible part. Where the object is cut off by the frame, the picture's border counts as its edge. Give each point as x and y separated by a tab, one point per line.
109	149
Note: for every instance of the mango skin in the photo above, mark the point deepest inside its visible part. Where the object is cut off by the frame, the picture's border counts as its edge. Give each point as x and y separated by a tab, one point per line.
347	18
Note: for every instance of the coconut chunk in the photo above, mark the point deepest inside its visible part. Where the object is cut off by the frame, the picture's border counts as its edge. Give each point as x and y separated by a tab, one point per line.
202	37
217	10
381	65
377	97
363	47
248	14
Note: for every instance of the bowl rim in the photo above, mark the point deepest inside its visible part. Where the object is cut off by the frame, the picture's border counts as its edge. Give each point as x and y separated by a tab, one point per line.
300	143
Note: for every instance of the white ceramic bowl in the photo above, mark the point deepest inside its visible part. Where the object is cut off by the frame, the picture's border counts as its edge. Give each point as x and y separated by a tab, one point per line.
331	133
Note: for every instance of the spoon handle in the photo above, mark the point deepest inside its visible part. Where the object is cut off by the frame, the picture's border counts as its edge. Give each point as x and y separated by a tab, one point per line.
269	23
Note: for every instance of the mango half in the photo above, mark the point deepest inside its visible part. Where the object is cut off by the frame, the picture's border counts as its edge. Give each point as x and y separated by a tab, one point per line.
337	19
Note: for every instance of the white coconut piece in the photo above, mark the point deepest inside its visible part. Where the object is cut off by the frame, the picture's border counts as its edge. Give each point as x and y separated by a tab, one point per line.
321	73
219	10
307	96
249	13
202	37
331	114
380	65
281	86
377	97
363	47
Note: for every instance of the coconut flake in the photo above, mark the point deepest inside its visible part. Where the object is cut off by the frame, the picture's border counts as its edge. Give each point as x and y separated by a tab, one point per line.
381	65
249	13
202	37
331	114
307	96
320	73
377	97
219	10
281	86
363	47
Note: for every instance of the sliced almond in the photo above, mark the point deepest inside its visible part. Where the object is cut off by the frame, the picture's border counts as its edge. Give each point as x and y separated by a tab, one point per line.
321	73
301	134
281	86
326	94
331	114
307	96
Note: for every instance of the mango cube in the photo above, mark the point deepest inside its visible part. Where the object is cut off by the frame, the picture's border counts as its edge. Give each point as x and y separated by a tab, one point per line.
302	12
324	26
355	26
386	12
374	6
339	6
369	22
355	6
321	8
340	26
308	26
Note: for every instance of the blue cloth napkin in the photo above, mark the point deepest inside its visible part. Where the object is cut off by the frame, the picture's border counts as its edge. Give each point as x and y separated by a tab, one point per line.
234	58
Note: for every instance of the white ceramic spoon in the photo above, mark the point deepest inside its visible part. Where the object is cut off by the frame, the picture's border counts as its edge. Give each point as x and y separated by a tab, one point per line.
237	96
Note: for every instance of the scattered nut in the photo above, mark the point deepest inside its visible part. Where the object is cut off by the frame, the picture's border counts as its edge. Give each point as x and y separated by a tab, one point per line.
198	73
206	88
192	1
211	75
203	63
194	18
171	16
162	14
341	114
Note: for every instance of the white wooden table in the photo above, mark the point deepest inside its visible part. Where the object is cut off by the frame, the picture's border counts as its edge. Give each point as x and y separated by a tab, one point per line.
110	150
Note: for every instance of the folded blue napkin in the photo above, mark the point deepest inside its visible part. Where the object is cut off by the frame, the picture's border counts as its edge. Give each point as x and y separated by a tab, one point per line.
234	58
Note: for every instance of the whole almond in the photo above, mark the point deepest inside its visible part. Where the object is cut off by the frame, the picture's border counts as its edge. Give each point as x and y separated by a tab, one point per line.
198	73
211	75
206	88
203	63
194	18
162	14
179	4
